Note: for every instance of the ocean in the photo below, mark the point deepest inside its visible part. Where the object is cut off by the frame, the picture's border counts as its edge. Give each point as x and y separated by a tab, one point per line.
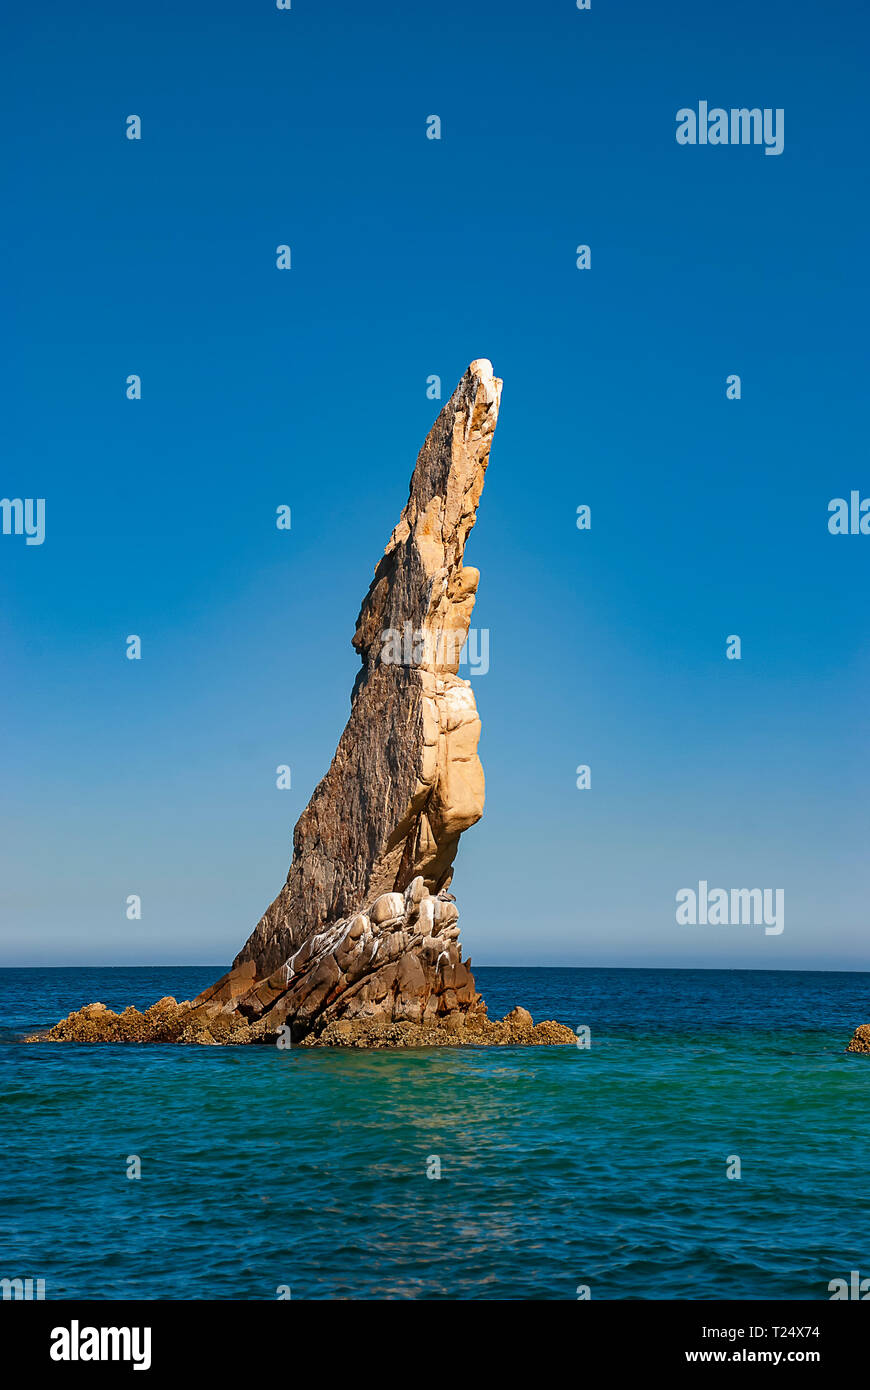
500	1173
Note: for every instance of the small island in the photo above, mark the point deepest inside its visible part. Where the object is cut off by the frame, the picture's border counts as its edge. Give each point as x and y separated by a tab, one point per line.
361	946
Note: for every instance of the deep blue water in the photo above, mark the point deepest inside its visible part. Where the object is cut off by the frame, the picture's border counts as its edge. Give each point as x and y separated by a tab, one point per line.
559	1166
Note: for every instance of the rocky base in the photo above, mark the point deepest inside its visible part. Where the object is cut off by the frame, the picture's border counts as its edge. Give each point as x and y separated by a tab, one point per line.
860	1039
516	1029
392	976
170	1022
163	1022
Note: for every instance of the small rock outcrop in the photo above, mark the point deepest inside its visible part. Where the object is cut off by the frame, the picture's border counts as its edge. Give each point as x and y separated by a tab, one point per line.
361	945
860	1040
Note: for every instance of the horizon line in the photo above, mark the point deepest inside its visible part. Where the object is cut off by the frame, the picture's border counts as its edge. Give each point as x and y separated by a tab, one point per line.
713	969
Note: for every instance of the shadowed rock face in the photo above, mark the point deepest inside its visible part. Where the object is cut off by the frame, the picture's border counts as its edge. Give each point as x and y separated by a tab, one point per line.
361	945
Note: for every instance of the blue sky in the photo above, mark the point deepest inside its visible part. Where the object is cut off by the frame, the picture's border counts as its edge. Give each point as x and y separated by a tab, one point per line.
411	257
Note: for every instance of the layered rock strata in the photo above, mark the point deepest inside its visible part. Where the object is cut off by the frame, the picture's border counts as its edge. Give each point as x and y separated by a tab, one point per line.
361	945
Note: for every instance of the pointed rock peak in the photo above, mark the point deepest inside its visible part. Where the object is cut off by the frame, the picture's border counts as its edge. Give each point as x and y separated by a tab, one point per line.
421	579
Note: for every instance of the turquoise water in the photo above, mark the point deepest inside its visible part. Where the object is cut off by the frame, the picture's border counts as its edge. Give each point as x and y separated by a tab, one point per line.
559	1166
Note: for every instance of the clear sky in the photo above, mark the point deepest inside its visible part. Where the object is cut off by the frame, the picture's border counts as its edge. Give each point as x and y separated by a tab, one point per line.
307	387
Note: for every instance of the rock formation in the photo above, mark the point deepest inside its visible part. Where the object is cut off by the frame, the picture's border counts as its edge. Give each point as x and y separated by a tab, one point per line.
361	945
860	1040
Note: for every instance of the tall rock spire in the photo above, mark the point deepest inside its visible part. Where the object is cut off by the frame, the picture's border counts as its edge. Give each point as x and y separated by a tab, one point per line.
406	779
361	945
